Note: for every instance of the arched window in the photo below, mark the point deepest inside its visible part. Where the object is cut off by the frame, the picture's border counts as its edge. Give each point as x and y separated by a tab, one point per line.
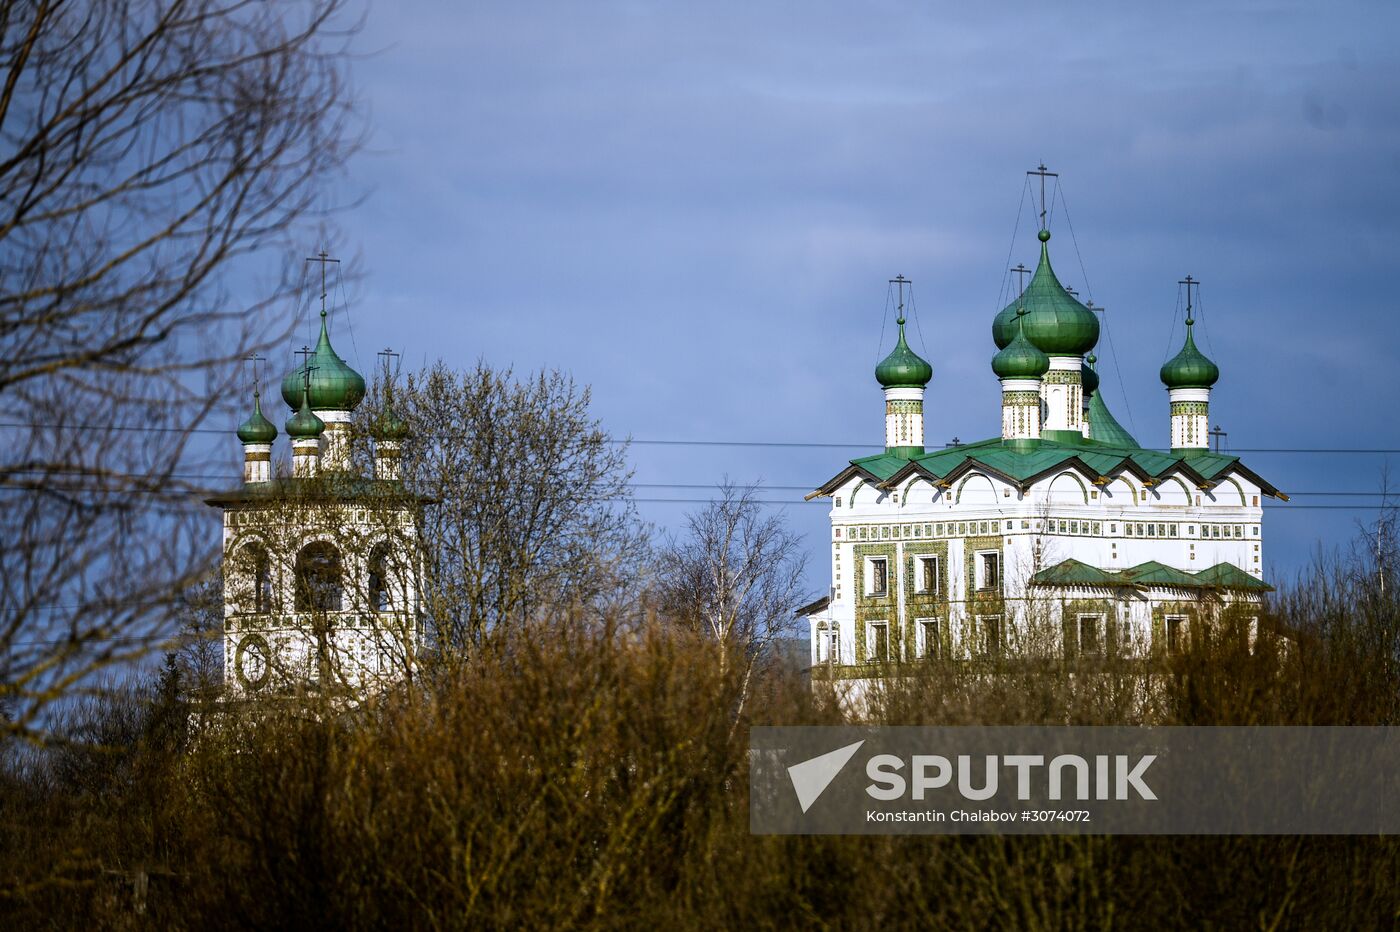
380	598
319	579
255	583
262	581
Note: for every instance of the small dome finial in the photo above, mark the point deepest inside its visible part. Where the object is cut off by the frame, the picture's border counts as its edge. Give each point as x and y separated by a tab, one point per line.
1044	236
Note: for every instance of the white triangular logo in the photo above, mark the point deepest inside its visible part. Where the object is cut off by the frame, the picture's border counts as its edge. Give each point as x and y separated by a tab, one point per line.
811	777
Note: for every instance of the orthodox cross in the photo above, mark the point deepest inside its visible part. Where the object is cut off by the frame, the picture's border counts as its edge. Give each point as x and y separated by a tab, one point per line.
901	281
1021	272
253	360
1043	175
1189	282
1217	435
306	381
1071	292
324	258
1096	308
388	355
306	369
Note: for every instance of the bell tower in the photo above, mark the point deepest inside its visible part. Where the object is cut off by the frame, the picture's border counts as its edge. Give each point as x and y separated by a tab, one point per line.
321	564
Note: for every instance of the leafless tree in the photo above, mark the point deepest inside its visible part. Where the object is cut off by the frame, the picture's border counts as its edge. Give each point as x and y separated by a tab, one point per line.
735	576
528	500
152	154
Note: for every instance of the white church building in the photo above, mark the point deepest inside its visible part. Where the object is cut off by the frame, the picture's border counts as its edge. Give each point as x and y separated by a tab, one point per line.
1062	535
321	564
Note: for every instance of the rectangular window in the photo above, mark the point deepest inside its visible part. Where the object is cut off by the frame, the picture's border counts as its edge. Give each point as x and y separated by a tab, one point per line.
1174	530
928	575
989	635
879	642
878	576
989	565
1090	644
931	646
1176	634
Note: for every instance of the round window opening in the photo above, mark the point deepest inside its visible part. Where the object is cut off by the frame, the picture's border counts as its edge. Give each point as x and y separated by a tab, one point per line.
253	662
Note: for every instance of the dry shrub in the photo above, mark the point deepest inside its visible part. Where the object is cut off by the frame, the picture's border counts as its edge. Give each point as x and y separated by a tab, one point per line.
581	772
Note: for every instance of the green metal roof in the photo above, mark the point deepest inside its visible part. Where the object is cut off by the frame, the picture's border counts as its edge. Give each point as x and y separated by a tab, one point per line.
304	425
334	385
387	425
1055	321
1189	368
1075	573
1021	466
1020	359
1104	426
903	368
257	429
1152	573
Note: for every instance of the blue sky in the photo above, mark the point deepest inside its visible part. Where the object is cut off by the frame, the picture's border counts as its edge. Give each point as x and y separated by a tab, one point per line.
694	208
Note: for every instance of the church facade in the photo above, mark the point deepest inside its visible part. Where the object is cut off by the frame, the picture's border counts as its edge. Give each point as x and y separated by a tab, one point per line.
321	563
1062	536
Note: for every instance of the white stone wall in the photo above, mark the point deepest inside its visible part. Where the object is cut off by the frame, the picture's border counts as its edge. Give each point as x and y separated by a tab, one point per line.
1190	416
1020	409
904	417
1063	394
367	647
1113	526
257	462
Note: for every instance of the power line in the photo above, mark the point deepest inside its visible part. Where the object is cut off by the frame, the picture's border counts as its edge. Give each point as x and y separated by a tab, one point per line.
634	441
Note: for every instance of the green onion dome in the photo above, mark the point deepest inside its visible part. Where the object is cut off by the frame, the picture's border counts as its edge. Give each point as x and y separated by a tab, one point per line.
1020	359
1089	376
304	425
388	425
1189	368
257	429
334	385
1055	321
903	368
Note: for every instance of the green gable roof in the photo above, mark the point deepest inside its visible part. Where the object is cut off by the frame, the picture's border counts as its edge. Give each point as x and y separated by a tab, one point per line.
1150	574
1022	466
